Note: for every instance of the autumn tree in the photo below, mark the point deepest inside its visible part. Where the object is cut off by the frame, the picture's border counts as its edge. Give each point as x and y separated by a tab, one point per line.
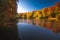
8	29
7	12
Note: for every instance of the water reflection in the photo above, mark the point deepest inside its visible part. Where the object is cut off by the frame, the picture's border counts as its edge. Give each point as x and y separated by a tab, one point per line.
51	25
32	32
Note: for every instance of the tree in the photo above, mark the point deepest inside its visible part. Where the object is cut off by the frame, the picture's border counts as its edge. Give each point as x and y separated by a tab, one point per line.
7	12
7	20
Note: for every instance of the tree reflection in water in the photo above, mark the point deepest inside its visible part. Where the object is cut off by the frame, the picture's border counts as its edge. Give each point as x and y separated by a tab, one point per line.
49	24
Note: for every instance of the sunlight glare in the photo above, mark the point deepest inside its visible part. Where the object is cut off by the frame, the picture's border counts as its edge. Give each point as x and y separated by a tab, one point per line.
21	9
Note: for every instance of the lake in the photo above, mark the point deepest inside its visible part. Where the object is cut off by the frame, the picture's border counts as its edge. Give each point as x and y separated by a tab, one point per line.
38	29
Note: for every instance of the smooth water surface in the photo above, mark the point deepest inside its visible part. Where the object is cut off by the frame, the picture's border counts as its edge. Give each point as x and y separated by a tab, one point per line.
29	31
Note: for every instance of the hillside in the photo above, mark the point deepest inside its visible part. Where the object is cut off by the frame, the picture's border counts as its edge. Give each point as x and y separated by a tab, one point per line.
44	13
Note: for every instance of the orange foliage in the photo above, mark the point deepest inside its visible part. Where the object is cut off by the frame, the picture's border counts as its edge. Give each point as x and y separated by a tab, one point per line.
58	4
52	8
45	10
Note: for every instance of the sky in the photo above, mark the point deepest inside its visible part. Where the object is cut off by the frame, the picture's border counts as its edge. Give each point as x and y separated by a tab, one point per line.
31	5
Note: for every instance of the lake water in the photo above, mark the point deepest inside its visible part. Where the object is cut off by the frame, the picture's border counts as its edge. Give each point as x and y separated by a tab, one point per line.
38	29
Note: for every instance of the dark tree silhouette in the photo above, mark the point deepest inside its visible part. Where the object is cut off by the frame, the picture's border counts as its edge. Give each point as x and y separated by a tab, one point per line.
8	29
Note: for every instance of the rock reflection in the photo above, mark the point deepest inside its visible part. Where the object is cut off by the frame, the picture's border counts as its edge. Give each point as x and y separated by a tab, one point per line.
49	24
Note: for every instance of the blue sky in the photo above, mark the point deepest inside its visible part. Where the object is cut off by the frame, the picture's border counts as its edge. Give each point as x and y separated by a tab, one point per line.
30	5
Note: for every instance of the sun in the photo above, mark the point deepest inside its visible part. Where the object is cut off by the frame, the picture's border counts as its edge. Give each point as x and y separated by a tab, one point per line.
21	9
